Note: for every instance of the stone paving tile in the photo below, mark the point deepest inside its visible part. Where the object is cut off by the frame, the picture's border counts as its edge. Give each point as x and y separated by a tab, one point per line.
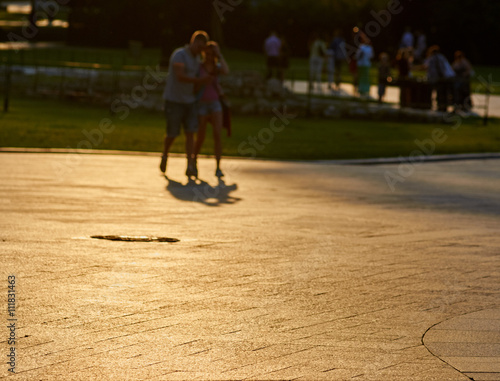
491	314
475	364
483	376
469	343
453	350
459	336
286	373
471	325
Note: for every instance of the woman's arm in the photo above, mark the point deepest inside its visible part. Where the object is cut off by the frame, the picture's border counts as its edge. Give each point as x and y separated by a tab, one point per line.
180	72
224	67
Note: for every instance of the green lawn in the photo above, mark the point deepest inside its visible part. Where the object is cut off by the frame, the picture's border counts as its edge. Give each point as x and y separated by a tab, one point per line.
64	124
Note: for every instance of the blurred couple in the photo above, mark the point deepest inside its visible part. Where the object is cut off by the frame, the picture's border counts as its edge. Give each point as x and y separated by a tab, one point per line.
194	98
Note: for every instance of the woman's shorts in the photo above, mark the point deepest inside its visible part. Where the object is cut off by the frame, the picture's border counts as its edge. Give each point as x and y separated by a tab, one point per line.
207	108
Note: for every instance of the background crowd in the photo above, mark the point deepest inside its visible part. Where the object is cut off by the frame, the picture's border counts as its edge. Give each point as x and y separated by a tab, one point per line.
330	53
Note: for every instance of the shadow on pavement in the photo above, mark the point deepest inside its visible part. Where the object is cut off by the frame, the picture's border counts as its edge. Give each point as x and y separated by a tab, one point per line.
202	192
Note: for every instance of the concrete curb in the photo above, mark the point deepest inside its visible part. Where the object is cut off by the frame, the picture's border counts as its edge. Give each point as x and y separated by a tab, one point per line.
373	161
417	159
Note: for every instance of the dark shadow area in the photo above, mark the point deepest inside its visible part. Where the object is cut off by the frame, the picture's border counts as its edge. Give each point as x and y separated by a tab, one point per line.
439	186
443	197
200	191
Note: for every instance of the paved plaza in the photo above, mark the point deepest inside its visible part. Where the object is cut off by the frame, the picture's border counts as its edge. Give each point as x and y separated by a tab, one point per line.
283	271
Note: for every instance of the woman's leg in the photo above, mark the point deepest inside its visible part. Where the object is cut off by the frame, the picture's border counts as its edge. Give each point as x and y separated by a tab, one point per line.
312	72
319	72
364	80
315	71
200	135
217	129
331	71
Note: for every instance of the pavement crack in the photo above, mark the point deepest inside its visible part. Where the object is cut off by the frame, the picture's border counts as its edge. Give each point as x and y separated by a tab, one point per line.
329	370
189	342
197	353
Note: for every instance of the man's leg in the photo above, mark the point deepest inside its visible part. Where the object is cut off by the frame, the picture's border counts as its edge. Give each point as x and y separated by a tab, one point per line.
441	94
319	73
190	147
173	118
191	123
269	73
337	69
167	143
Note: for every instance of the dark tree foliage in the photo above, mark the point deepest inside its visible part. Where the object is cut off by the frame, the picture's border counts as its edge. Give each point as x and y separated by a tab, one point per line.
468	25
153	22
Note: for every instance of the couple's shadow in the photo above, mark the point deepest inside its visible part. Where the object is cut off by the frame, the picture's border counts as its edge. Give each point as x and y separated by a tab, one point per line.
200	191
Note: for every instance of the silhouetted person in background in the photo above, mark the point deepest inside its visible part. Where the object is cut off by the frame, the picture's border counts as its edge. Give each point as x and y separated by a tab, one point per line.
272	49
420	46
403	64
463	72
284	58
407	40
384	75
353	61
317	54
440	75
339	56
364	57
330	63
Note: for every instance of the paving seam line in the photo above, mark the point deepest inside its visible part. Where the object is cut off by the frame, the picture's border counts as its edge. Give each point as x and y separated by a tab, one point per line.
432	353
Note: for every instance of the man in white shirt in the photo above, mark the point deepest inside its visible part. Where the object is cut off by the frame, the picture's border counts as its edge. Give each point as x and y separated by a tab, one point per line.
272	49
407	41
180	101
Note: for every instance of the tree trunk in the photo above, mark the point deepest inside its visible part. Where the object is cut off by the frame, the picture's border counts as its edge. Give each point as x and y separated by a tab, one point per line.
33	15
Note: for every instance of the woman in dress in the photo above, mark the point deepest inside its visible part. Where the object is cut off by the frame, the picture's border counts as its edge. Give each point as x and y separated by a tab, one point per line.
364	57
317	53
209	106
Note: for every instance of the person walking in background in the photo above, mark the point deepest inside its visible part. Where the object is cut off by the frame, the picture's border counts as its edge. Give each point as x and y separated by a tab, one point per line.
420	46
317	55
357	35
284	58
440	75
384	75
180	101
463	72
330	65
407	40
404	64
272	49
210	107
339	54
364	56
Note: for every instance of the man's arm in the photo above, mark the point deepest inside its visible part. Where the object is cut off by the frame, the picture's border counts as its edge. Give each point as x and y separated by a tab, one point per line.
180	73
